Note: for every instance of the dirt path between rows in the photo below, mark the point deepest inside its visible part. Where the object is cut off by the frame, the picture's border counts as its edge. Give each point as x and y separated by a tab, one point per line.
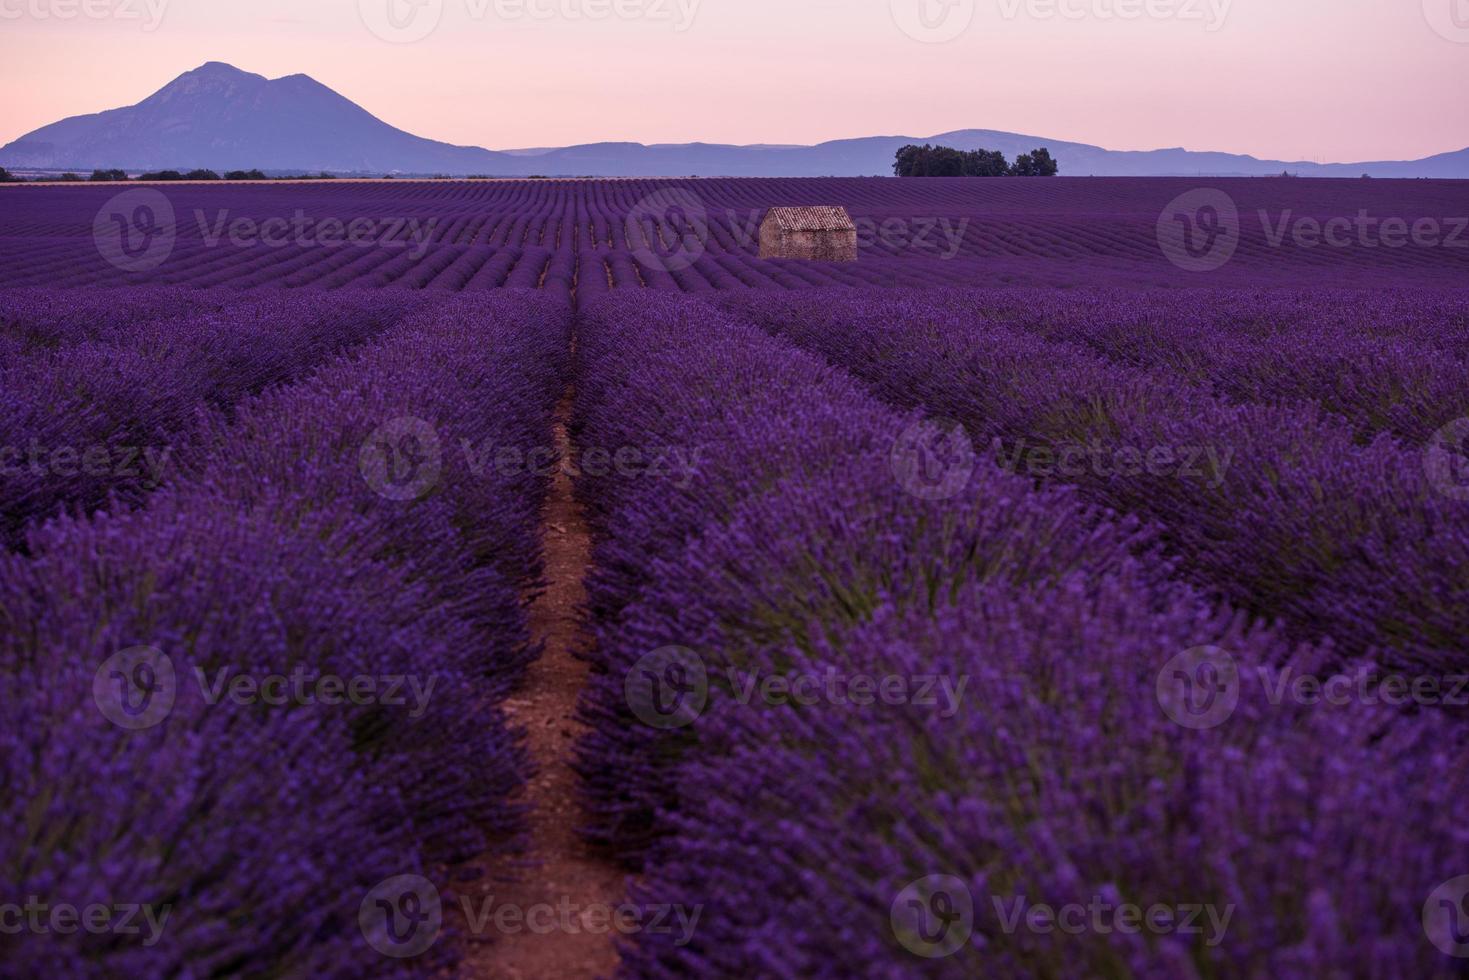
566	874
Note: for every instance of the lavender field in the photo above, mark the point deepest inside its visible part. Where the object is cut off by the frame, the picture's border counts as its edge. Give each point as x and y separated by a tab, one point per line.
700	235
1077	584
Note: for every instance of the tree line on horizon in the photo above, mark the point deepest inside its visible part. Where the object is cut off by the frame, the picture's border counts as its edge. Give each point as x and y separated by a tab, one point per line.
912	161
945	161
118	176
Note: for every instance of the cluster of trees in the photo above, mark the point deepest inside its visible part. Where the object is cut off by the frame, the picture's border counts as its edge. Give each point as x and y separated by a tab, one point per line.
175	175
6	177
118	176
945	161
1036	163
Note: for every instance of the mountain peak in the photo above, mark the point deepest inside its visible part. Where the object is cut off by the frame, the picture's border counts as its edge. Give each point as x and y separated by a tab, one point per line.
301	82
218	69
209	78
221	117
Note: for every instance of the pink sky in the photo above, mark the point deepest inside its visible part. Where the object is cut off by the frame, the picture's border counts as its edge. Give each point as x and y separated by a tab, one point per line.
1323	80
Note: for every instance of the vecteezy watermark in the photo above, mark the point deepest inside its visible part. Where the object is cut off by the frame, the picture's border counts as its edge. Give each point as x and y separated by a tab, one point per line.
413	234
669	688
148	14
933	459
145	464
1367	685
1101	916
933	917
938	21
1364	230
402	459
135	231
408	21
1450	18
1206	464
401	21
679	14
838	688
403	917
675	464
938	235
43	918
566	917
1446	460
137	688
668	230
932	21
1199	688
1446	917
305	686
1209	13
1199	231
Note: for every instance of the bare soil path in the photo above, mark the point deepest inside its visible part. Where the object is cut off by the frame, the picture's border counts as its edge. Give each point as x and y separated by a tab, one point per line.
566	875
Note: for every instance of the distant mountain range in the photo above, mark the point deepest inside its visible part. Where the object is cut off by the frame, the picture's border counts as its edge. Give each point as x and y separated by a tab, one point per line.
222	118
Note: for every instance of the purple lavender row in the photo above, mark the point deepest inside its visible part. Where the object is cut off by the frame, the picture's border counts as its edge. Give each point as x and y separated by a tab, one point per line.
96	419
34	320
736	416
1058	824
1384	362
804	544
1276	507
320	542
1438	318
